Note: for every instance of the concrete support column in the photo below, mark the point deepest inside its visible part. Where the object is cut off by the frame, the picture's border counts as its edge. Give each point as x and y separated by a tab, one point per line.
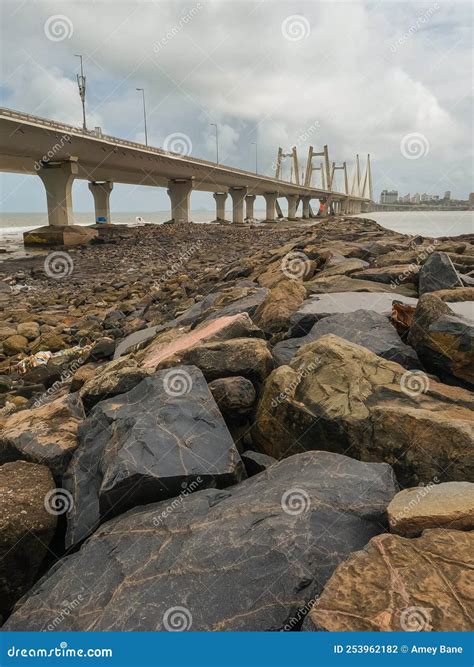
180	194
249	203
270	200
220	198
306	203
238	197
101	193
57	180
292	206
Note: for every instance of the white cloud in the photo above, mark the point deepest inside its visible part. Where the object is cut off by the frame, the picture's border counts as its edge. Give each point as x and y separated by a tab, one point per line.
230	63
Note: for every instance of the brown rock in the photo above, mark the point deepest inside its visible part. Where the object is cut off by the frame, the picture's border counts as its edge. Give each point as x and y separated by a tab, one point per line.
15	345
172	344
443	340
400	584
455	295
273	315
233	394
116	377
340	397
83	374
29	330
447	505
26	527
349	284
248	357
45	434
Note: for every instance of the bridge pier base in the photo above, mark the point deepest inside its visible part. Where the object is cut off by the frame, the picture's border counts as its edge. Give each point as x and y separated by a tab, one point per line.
270	201
238	197
249	205
179	192
306	205
57	179
292	206
101	193
220	198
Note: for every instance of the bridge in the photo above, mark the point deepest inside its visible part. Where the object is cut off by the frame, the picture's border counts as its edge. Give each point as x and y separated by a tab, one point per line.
58	153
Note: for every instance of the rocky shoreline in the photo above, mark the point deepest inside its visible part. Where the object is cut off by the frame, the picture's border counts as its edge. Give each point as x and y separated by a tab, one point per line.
239	427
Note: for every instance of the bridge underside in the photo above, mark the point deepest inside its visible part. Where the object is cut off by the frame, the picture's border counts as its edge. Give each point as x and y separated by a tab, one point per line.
58	158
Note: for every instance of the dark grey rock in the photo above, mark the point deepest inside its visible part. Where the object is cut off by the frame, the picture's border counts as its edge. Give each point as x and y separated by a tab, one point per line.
144	445
363	327
323	305
256	462
438	273
246	558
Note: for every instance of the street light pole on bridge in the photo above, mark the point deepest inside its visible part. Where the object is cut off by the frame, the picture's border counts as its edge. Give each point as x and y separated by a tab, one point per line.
144	114
217	142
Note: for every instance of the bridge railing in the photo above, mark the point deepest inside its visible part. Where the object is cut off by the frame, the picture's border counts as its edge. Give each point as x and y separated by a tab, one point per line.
93	134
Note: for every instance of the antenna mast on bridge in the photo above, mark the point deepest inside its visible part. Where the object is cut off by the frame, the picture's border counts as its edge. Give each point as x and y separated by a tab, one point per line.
81	82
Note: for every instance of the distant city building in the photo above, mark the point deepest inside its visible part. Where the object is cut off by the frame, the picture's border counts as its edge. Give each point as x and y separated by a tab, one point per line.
447	195
389	197
471	200
416	198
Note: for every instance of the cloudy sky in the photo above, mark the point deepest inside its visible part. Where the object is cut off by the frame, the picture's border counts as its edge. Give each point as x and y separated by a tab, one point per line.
390	78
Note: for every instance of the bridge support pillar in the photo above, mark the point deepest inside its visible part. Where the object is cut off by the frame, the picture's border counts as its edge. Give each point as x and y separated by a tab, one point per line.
249	204
270	200
306	203
220	198
57	179
292	206
238	197
101	193
180	194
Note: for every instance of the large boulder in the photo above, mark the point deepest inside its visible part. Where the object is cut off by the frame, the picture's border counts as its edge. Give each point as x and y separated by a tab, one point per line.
246	558
229	301
26	527
446	505
248	357
323	305
46	434
393	275
172	345
438	273
335	284
443	340
111	379
273	315
146	445
364	327
400	584
341	397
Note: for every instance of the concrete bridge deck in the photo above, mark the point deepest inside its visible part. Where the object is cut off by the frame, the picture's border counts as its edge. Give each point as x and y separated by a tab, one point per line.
58	153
